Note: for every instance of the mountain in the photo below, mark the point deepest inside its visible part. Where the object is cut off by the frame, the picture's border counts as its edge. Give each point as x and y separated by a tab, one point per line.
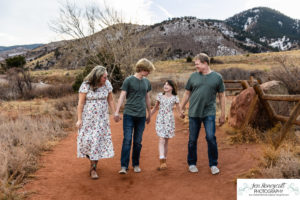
187	36
266	28
10	51
29	46
255	30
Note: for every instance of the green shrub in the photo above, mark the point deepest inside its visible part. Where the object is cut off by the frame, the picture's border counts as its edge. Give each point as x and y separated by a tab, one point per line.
189	59
17	61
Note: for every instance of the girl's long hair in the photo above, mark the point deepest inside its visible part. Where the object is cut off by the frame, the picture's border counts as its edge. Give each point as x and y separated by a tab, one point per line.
173	85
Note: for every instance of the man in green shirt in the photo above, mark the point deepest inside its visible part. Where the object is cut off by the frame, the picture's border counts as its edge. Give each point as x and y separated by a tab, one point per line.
136	89
201	90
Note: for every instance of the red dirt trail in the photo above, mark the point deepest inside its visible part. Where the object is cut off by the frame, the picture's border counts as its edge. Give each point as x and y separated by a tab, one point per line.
64	176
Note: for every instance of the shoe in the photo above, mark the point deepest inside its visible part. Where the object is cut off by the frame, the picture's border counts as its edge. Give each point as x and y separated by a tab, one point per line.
163	164
123	170
93	172
214	170
137	169
193	169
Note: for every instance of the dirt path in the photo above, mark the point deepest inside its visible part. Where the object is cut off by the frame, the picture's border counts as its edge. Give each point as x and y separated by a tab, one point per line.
63	176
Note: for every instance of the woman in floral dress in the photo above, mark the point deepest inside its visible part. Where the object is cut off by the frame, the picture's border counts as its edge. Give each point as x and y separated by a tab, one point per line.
94	135
165	122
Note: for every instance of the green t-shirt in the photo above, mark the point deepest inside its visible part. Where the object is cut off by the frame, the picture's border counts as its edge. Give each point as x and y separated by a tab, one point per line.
203	90
136	91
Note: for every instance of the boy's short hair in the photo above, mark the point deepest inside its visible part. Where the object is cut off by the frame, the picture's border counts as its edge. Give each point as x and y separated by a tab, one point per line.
144	65
203	58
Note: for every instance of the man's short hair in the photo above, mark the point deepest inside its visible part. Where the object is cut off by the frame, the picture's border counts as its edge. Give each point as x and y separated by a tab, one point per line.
144	65
203	58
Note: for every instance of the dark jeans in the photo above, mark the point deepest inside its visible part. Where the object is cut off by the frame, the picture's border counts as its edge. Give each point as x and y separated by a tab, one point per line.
135	125
210	129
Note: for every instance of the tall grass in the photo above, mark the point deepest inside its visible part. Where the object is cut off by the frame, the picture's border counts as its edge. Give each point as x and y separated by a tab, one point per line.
23	138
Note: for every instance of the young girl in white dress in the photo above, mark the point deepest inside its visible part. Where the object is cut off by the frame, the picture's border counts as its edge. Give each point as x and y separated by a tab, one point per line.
165	122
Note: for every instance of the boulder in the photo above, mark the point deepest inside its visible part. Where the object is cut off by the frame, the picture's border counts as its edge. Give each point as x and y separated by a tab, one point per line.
260	119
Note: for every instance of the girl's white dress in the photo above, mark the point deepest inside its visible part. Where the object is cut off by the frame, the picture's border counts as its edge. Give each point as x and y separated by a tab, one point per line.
94	137
165	122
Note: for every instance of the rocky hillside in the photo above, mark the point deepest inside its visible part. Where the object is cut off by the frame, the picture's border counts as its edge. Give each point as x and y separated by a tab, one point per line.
266	28
11	51
187	36
255	30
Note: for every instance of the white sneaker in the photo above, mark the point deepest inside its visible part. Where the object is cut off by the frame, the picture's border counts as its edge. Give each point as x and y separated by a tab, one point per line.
123	170
214	170
193	169
137	169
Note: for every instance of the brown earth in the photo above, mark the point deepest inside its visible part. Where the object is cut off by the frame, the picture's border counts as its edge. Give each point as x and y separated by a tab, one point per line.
64	176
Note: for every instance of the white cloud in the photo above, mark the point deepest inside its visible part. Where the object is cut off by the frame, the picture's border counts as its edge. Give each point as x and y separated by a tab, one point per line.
26	21
165	11
136	11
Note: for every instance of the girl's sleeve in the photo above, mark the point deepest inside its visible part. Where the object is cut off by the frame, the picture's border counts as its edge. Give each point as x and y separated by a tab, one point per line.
109	86
84	88
176	99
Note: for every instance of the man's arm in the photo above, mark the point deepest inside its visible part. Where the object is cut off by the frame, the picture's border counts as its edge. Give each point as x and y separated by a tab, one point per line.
185	99
148	104
222	103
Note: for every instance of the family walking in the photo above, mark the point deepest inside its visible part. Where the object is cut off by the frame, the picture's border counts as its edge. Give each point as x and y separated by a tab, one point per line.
95	96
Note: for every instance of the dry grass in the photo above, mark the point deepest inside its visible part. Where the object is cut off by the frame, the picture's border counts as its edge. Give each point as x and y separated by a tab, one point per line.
55	76
27	129
282	163
261	61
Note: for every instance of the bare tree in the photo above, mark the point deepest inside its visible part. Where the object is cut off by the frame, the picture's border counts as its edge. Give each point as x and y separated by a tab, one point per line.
288	73
116	46
20	82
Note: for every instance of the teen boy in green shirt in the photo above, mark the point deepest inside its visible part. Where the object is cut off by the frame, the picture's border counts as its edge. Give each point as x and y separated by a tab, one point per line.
136	89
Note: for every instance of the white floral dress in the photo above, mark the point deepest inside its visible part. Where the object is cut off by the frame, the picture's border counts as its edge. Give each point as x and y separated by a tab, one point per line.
94	137
165	122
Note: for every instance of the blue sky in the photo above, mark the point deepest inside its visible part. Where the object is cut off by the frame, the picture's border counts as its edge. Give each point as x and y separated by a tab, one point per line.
26	21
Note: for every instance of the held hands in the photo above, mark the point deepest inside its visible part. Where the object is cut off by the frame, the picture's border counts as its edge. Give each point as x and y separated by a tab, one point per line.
79	124
148	118
182	115
181	110
117	117
221	120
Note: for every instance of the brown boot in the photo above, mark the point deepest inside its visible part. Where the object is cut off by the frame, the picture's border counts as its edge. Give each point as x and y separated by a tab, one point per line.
163	164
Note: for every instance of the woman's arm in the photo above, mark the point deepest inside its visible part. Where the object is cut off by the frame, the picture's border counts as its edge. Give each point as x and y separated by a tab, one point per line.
111	102
120	101
81	102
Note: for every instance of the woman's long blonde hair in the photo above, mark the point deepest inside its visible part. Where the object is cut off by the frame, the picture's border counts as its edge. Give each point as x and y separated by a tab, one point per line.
94	77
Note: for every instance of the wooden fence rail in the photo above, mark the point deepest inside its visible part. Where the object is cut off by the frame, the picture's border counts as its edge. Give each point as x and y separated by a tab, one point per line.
264	99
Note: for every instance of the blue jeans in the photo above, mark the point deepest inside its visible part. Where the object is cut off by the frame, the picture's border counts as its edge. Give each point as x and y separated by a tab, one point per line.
210	129
135	125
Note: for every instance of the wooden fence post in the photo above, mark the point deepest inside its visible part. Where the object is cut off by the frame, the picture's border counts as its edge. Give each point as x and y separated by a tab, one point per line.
265	103
294	114
245	84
